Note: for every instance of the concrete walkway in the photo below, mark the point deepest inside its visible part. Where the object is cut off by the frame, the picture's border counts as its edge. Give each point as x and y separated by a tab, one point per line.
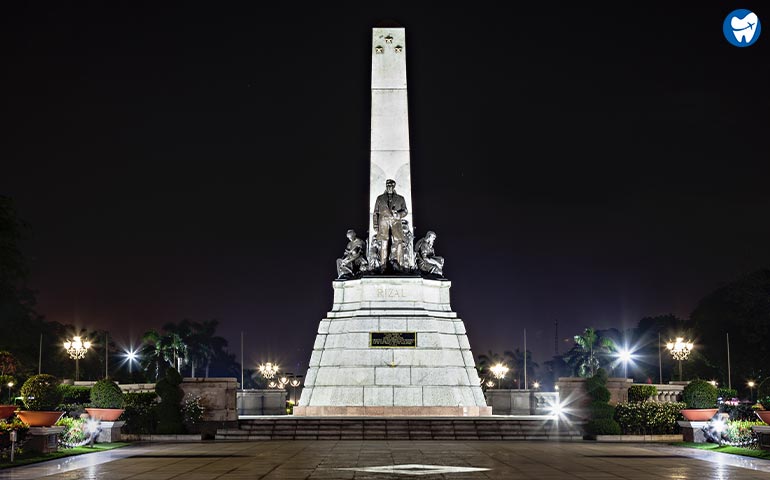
396	459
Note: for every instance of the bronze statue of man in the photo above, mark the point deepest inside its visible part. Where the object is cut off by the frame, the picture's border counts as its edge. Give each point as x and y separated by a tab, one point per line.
389	209
353	260
427	260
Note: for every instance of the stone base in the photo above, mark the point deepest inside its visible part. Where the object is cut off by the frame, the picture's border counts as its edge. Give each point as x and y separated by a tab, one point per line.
693	431
763	436
110	432
43	439
433	375
392	411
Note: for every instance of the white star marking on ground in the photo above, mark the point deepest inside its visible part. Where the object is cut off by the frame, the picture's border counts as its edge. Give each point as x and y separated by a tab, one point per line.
416	469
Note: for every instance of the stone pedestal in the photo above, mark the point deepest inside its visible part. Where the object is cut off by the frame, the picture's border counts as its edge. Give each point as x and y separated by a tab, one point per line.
43	439
693	431
350	374
110	432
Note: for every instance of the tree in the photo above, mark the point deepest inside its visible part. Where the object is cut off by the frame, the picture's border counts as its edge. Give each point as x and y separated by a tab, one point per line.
516	359
742	309
589	353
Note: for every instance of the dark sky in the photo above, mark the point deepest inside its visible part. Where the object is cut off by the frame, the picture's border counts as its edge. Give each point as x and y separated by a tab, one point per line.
591	163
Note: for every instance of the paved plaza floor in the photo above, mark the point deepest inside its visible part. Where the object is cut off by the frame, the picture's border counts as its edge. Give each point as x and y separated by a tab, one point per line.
396	459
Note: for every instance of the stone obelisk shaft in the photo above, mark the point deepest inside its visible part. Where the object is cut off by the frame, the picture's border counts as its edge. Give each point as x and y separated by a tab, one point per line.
390	119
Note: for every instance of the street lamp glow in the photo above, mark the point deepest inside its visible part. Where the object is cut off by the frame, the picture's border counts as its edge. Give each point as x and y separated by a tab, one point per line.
499	372
680	350
536	385
490	383
77	348
268	370
131	357
625	356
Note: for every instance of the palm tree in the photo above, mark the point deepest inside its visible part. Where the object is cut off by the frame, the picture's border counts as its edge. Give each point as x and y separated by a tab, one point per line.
154	354
204	345
586	356
517	361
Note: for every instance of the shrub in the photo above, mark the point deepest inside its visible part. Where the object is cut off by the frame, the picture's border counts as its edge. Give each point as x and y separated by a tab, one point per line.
739	433
602	413
41	392
596	386
192	410
727	393
740	411
5	433
106	394
140	415
651	418
169	410
603	426
765	402
601	410
74	395
74	434
641	393
700	394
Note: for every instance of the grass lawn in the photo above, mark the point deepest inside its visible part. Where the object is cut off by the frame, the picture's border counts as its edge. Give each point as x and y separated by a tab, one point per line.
713	447
31	457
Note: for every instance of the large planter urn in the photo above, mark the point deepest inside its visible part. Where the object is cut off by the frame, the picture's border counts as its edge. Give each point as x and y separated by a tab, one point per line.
7	410
764	415
699	414
105	414
35	418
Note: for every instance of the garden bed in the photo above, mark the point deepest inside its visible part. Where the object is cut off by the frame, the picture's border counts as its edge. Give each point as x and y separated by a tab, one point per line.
32	457
668	438
713	447
145	437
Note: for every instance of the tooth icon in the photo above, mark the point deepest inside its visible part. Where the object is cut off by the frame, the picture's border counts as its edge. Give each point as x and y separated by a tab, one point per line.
744	28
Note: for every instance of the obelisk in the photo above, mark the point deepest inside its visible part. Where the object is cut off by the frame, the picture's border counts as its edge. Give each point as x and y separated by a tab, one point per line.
389	158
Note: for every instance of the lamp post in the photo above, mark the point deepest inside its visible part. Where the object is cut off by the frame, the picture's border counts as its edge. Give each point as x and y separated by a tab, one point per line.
680	350
10	386
499	372
295	382
751	385
77	348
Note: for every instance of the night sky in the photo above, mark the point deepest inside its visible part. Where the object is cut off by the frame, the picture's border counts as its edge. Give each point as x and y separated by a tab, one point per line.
587	163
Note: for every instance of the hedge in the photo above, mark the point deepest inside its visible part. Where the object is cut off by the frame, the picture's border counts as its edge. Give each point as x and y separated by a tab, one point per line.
648	418
72	394
641	393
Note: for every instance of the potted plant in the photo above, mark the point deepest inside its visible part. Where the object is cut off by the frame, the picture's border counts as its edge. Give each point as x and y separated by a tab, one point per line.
700	397
41	395
106	401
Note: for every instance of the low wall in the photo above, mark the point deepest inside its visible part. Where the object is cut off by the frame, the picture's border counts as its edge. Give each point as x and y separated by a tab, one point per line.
217	397
520	402
261	402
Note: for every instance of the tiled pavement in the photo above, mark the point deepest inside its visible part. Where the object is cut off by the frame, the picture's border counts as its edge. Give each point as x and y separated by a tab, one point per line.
344	459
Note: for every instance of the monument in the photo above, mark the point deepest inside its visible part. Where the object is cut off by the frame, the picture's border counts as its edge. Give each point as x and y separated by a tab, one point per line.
391	345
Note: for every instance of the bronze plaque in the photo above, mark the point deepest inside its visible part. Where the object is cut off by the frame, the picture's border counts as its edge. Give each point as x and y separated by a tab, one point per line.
393	339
